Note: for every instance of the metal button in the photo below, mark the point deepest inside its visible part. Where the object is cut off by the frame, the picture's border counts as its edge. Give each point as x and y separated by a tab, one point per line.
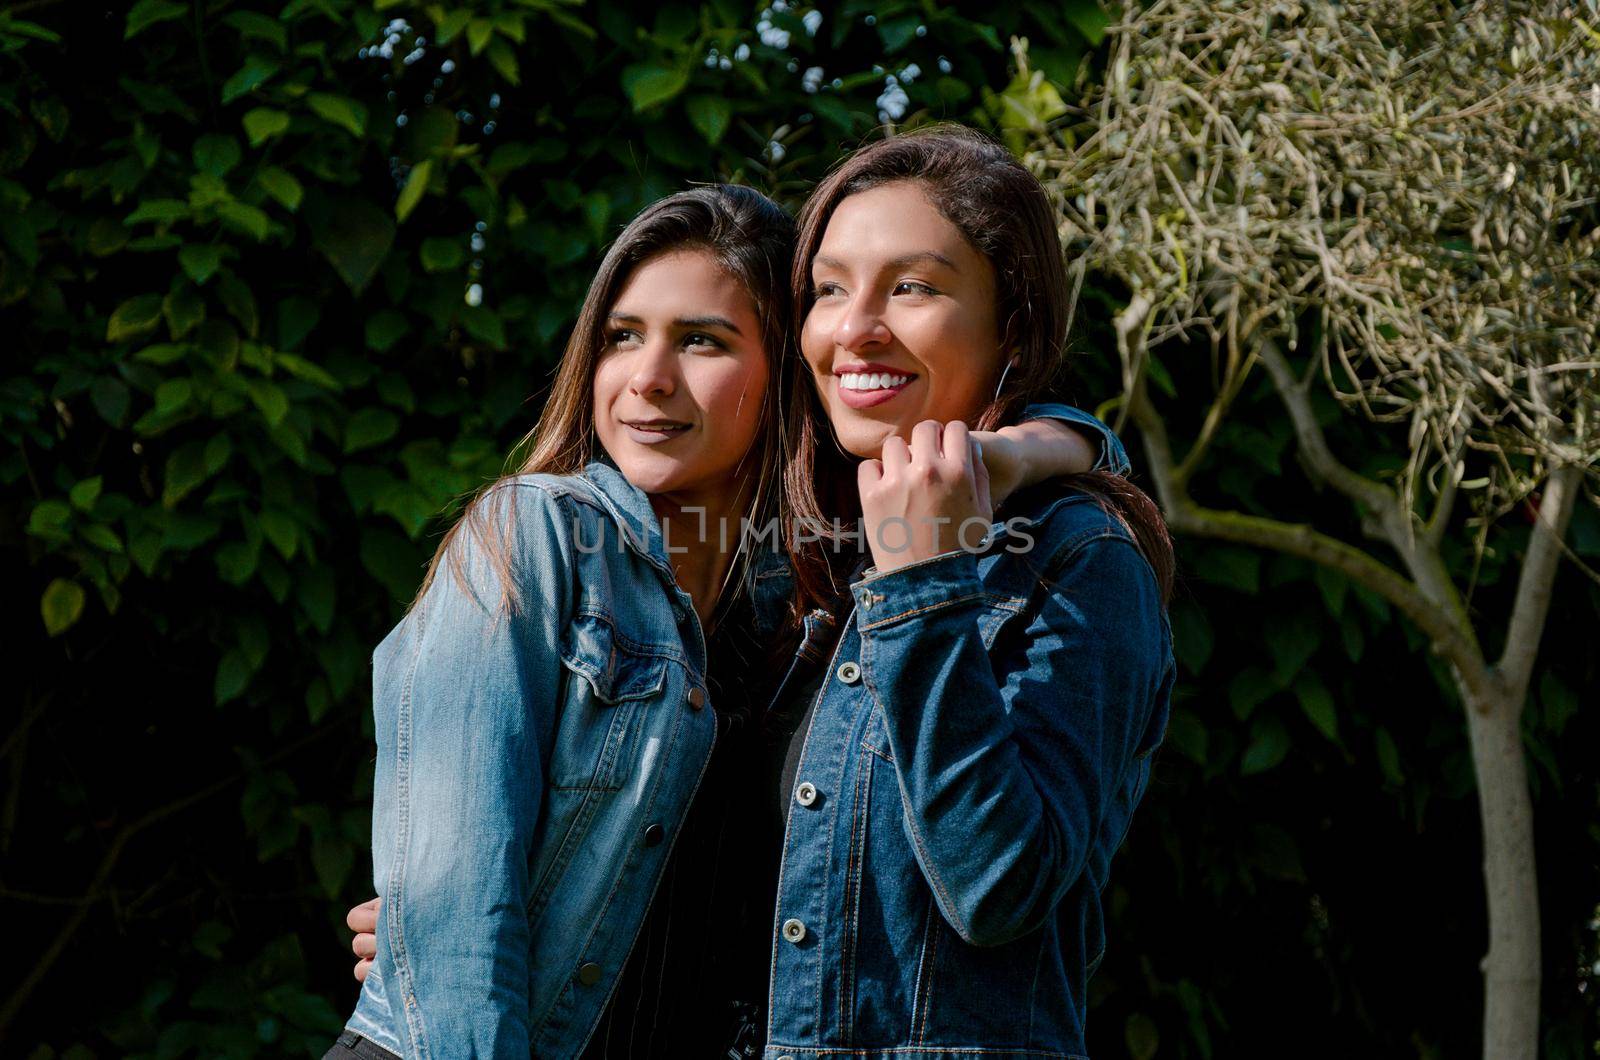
794	931
806	793
653	834
589	973
849	673
697	697
866	600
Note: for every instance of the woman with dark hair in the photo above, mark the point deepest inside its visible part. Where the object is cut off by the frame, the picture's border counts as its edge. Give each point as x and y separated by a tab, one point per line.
968	758
570	857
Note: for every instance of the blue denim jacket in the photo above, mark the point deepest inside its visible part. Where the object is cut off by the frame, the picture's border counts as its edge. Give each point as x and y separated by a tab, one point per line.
524	754
522	757
980	738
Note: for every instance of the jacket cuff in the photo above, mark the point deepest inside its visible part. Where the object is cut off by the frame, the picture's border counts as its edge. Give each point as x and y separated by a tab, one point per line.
939	583
1113	457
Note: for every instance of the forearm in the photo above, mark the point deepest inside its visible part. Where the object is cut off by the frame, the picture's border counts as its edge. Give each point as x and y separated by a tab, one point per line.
996	852
1048	448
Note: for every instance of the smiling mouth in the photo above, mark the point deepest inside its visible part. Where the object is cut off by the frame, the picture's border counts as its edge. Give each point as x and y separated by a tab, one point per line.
662	427
870	381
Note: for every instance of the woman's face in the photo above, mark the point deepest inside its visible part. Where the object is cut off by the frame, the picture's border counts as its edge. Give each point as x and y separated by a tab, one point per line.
679	383
903	325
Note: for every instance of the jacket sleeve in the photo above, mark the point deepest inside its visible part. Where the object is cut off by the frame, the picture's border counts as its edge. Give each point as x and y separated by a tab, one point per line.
1005	781
463	712
1113	457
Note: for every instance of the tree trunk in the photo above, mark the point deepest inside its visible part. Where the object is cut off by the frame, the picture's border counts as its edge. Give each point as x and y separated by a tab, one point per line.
1511	973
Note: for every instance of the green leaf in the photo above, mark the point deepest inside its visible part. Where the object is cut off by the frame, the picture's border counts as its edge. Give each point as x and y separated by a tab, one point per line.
1192	639
1249	688
416	187
479	33
1269	745
355	240
1089	19
648	85
85	493
263	123
317	599
281	530
242	217
49	519
257	69
332	858
185	309
1388	757
370	427
173	395
134	317
200	263
216	154
301	368
270	399
186	469
147	13
61	606
1317	703
504	60
1291	640
233	676
446	28
161	211
111	399
1141	1036
1188	734
339	110
282	186
102	536
385	328
440	254
485	325
710	115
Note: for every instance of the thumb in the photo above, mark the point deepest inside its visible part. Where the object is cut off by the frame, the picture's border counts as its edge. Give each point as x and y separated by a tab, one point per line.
980	479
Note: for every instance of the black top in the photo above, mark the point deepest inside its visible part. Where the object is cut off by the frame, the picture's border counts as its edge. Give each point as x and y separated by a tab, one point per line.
699	966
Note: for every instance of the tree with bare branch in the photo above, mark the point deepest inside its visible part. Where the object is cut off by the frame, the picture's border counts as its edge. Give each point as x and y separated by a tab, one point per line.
1393	202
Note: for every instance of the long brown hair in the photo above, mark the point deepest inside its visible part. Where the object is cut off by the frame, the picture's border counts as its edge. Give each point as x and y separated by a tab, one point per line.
1004	212
751	237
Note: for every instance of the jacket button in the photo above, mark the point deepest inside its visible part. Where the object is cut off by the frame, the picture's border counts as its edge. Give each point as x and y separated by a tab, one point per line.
589	973
653	835
849	673
697	697
794	931
806	793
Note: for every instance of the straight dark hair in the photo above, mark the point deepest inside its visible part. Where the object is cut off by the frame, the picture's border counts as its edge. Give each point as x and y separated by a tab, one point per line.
1004	212
749	236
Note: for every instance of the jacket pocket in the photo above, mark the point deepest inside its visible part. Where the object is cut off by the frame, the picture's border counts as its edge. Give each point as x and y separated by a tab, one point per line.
610	678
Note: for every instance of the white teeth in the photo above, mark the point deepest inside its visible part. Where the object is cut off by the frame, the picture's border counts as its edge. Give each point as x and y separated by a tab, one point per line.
871	381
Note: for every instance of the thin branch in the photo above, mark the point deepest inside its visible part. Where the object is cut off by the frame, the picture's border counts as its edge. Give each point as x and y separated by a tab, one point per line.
1296	395
1515	667
1450	639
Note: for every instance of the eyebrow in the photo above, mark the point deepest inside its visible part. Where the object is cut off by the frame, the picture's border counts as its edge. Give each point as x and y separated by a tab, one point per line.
921	257
683	322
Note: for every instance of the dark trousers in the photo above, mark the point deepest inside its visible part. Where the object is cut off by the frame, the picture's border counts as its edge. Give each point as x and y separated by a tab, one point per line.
351	1046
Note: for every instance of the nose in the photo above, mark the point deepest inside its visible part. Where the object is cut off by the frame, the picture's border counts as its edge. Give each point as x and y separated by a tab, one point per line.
655	370
861	325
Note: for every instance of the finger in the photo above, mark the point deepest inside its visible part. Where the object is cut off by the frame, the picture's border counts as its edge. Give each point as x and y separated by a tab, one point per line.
868	472
364	917
980	479
895	454
364	945
955	444
925	442
362	968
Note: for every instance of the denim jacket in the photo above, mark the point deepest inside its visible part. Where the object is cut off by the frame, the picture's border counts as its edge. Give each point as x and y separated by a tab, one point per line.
981	735
534	763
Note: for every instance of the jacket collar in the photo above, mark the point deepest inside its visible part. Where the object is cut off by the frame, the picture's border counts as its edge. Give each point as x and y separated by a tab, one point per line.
630	508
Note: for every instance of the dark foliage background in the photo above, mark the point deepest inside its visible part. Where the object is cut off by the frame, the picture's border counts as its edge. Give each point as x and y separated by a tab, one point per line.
279	282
